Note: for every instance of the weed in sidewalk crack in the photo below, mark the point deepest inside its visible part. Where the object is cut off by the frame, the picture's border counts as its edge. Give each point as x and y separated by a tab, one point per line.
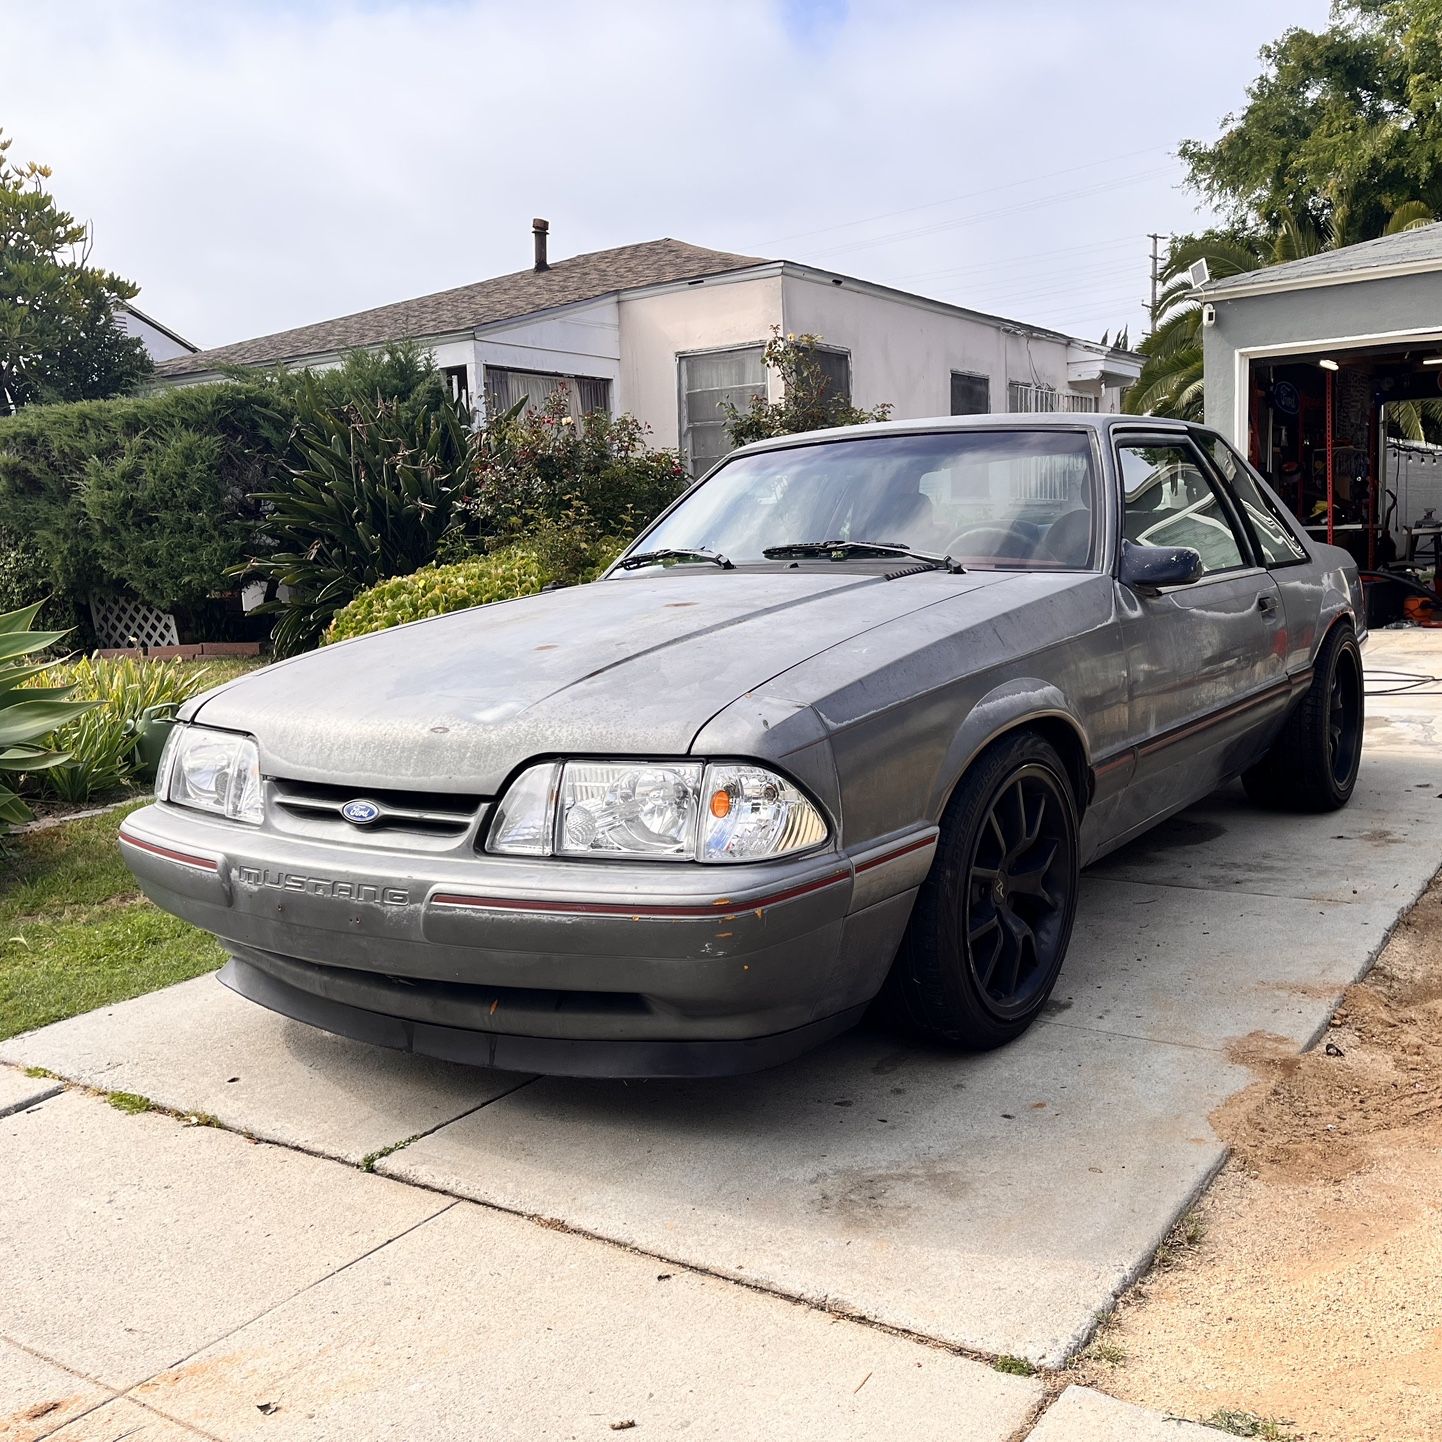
39	1073
1016	1366
129	1102
368	1162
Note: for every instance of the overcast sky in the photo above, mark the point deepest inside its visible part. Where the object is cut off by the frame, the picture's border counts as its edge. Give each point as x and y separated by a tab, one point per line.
257	164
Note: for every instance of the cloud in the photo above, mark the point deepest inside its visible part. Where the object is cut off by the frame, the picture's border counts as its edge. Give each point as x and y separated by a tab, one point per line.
256	166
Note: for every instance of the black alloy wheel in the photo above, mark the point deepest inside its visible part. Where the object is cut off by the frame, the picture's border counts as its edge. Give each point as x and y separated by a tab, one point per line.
1017	909
990	927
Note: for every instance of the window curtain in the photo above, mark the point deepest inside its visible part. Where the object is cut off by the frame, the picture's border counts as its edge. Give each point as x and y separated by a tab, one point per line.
506	388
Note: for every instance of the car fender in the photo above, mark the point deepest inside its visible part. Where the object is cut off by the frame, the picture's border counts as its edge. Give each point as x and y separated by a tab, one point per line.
1341	597
1014	703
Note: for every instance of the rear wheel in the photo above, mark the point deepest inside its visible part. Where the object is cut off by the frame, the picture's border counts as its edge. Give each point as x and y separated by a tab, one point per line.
1313	764
992	920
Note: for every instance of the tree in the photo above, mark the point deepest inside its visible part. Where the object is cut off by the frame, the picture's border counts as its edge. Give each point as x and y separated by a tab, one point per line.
1170	383
59	340
808	402
1342	128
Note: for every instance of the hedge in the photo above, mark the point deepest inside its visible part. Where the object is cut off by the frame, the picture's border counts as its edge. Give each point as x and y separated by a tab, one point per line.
436	590
148	492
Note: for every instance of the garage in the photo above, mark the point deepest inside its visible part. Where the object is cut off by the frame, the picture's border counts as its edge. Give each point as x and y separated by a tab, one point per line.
1321	368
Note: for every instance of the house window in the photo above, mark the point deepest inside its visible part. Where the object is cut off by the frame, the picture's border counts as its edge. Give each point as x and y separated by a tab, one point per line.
1029	398
970	394
835	366
506	389
706	380
458	381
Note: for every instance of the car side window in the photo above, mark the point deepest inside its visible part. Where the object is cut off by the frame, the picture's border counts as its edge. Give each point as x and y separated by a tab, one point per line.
1279	547
1168	500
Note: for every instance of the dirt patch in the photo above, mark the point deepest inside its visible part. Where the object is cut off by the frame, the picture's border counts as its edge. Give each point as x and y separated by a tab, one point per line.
1312	1287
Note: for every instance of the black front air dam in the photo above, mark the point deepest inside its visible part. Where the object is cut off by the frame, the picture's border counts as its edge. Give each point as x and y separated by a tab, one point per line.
551	1056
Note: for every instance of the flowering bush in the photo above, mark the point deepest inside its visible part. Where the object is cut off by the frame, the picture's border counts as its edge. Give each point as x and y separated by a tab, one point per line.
540	464
807	402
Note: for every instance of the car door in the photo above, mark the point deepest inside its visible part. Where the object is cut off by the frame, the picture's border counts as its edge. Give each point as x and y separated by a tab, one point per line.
1206	671
1278	546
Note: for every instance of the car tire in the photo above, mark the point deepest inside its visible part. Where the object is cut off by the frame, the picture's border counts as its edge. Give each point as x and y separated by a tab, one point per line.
1312	765
993	918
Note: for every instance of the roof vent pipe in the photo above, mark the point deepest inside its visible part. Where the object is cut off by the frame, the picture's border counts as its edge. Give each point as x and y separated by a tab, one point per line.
539	230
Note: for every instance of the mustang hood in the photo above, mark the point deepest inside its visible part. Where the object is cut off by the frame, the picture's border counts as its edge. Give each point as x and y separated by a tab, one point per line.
634	665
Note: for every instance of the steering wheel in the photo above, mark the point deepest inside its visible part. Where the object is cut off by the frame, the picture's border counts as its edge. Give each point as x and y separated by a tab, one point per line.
1016	541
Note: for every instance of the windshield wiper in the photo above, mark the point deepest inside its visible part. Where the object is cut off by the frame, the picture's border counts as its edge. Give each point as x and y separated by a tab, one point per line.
799	549
675	553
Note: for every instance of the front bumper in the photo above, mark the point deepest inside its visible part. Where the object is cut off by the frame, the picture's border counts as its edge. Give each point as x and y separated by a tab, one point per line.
565	967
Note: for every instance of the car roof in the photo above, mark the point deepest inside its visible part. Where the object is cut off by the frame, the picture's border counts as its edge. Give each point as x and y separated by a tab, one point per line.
1003	421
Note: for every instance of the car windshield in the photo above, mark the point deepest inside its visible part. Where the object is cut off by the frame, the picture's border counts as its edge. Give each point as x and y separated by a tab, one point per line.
1000	499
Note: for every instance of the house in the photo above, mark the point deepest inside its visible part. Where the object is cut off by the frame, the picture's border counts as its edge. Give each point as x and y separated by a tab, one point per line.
1305	366
160	341
665	330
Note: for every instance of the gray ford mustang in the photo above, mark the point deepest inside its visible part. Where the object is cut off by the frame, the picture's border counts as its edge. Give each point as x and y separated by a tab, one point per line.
842	724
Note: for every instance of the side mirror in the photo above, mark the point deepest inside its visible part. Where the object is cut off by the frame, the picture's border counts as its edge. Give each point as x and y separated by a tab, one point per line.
1149	568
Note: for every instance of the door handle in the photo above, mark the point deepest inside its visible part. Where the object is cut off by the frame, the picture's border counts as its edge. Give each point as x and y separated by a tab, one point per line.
1266	602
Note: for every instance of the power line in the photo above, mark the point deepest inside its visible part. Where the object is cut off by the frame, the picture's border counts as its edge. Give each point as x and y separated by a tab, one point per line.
1036	204
1017	289
967	195
1022	260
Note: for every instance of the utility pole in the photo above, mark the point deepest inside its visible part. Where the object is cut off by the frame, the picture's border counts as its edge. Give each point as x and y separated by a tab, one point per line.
1155	239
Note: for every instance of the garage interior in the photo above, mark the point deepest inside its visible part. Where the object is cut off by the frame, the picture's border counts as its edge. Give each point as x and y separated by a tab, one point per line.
1319	368
1319	432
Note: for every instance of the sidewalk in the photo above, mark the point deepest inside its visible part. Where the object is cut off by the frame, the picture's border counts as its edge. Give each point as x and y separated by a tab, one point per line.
834	1249
168	1281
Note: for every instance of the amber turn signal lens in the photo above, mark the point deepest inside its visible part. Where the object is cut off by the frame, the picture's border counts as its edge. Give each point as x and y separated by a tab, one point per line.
720	804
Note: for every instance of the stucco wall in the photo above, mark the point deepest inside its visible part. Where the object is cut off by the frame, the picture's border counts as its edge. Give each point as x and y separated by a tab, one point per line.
905	353
579	340
1363	311
655	328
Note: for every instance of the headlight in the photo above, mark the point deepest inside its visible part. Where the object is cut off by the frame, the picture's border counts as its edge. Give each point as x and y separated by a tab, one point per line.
214	771
666	810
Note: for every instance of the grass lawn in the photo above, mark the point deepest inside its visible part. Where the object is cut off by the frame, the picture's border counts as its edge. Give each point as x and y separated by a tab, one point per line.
75	933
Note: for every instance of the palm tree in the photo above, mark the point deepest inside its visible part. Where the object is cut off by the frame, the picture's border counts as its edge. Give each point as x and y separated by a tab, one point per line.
1170	383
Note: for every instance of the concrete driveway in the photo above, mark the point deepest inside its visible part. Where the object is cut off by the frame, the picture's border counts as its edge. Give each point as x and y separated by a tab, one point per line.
993	1206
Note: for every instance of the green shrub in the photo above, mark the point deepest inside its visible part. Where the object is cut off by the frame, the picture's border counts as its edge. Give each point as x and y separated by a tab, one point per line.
808	402
19	572
539	465
99	744
161	518
435	590
26	714
157	493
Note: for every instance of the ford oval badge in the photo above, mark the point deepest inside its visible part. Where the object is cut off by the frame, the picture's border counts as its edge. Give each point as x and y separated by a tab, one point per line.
360	813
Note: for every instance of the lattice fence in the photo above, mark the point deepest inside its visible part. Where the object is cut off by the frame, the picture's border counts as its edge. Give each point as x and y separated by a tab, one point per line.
122	620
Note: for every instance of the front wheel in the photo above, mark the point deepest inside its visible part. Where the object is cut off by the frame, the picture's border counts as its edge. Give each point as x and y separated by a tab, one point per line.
992	920
1313	764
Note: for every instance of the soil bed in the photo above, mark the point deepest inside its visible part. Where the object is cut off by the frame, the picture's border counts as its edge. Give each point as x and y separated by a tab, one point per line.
1311	1290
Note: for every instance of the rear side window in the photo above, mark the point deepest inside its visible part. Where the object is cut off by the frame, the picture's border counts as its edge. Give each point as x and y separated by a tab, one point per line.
1169	500
1274	538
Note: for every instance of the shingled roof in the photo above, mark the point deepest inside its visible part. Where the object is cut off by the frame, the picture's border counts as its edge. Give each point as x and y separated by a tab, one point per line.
581	277
1420	247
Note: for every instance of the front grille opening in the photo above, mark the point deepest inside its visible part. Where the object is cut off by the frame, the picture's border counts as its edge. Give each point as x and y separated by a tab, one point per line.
437	813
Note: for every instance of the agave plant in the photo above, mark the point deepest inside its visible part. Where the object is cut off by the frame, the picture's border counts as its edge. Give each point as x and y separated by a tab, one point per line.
27	713
374	496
